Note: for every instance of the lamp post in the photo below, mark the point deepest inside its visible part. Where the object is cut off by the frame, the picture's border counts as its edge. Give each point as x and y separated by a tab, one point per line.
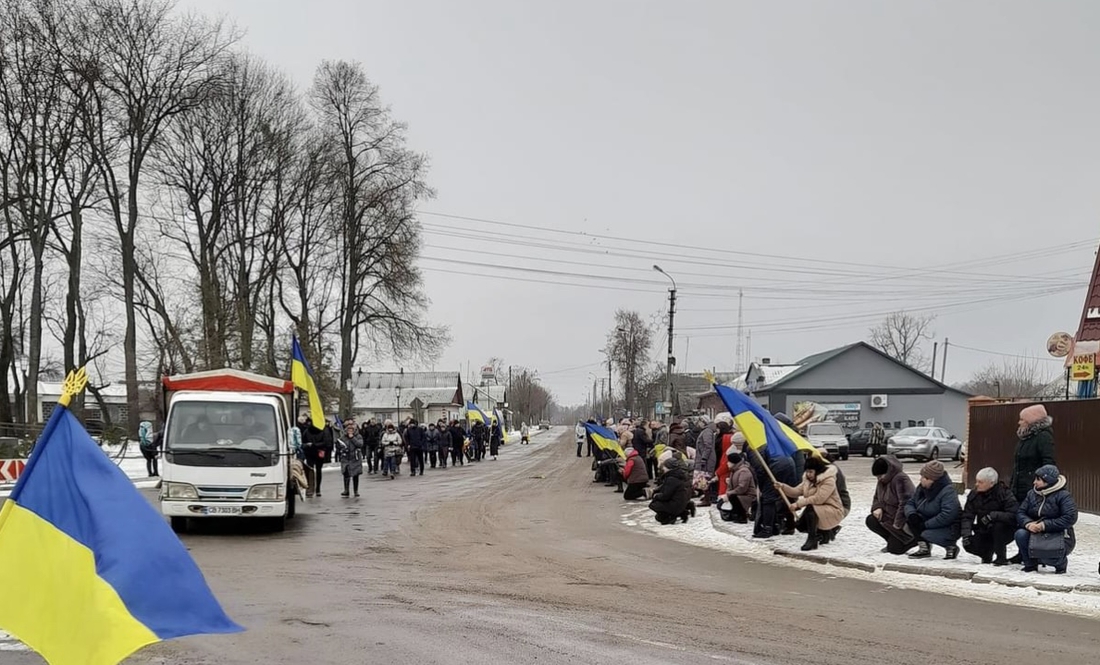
671	313
397	423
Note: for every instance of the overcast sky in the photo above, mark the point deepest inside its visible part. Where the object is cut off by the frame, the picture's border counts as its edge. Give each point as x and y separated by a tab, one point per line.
835	160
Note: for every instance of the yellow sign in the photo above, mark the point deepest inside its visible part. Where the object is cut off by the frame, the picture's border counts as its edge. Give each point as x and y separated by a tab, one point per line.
1084	368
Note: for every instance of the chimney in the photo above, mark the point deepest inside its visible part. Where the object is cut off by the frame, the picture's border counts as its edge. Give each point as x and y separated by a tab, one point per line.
765	361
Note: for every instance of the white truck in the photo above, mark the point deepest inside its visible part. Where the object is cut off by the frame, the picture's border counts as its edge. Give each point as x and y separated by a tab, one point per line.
227	446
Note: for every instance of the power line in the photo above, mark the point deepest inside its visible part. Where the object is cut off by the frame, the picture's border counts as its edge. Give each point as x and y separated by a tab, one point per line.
1007	355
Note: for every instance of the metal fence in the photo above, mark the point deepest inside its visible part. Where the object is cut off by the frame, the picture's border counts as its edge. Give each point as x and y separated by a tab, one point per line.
992	442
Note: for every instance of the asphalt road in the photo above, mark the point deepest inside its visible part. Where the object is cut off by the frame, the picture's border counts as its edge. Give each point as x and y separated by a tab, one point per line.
525	560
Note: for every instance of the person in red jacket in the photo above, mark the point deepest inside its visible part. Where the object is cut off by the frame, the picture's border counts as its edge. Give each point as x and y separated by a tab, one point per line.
635	475
725	442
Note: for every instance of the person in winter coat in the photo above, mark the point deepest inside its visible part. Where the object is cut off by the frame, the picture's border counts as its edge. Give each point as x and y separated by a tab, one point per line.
431	444
416	440
372	437
458	441
496	433
643	443
443	442
479	434
772	515
841	481
350	452
705	463
723	443
317	445
819	500
635	476
672	498
676	438
892	492
989	519
933	514
581	435
525	435
391	448
1046	518
740	489
1034	449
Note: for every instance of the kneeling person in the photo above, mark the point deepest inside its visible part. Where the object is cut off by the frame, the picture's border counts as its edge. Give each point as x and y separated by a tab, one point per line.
989	519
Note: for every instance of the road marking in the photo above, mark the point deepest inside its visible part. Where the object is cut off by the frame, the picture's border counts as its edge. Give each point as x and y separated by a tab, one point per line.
9	643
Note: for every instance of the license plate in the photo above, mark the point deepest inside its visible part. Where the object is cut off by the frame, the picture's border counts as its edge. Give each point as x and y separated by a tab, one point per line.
221	510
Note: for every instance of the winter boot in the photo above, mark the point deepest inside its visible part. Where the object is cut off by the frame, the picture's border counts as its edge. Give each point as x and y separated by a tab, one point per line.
952	552
764	533
924	550
812	540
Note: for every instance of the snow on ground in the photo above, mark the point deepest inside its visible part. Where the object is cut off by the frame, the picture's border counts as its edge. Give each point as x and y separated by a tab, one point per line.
1078	591
130	461
9	643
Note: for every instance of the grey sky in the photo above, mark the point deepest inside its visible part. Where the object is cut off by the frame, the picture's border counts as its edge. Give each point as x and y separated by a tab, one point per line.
935	134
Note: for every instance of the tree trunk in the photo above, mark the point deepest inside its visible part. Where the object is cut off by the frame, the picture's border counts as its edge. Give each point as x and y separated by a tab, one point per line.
34	347
129	275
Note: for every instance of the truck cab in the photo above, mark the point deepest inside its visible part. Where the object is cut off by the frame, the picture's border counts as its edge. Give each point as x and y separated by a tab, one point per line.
227	448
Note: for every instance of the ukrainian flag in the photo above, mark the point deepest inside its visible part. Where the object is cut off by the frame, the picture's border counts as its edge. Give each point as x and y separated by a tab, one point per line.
473	413
760	428
604	439
91	573
301	374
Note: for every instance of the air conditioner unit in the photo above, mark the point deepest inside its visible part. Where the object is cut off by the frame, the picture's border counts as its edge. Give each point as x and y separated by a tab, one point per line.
878	401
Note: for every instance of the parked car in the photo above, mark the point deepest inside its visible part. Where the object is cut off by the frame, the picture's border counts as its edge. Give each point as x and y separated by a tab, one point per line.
544	424
924	443
859	442
828	436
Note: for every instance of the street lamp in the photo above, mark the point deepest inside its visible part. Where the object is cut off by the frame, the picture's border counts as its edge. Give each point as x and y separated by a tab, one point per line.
671	314
397	422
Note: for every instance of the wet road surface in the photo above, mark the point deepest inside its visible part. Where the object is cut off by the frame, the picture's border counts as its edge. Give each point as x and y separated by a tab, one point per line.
524	560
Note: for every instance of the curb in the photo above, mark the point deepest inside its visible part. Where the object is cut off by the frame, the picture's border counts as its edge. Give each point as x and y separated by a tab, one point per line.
909	569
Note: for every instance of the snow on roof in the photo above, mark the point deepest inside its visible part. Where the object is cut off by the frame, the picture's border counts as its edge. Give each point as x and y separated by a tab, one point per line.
770	374
407	380
386	398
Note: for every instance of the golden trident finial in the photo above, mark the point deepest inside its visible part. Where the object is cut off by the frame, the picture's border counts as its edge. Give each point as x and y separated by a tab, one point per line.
73	385
709	376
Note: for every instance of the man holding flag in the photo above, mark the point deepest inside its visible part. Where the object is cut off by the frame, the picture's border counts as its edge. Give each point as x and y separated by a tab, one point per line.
91	572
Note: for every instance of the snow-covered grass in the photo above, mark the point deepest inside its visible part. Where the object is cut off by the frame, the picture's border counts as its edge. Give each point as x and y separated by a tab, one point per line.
1078	591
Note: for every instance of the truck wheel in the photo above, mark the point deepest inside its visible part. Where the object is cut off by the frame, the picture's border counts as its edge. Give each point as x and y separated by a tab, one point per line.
179	524
291	502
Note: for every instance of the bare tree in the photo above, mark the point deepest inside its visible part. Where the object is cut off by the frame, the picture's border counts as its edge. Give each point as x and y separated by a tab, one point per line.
629	344
528	399
140	66
378	183
902	336
1015	378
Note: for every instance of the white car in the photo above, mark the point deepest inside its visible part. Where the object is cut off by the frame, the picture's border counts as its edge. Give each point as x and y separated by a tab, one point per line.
829	437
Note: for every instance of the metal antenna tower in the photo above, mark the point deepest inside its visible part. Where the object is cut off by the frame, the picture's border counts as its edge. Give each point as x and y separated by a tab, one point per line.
740	331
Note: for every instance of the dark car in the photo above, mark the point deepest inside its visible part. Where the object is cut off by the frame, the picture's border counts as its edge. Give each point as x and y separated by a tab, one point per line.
859	442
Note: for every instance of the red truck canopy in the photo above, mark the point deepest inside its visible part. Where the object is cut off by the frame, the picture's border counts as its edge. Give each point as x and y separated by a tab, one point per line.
232	380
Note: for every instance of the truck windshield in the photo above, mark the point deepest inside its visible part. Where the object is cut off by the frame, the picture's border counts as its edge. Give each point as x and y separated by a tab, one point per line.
214	426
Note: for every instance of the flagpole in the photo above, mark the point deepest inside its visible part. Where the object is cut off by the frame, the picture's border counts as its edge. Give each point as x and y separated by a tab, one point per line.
775	481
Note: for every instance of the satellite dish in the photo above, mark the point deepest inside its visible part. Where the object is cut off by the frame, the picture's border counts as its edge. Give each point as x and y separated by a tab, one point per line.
1060	344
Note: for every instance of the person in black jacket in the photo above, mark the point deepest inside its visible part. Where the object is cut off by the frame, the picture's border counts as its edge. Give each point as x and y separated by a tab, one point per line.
989	519
416	440
1035	449
317	445
672	498
458	439
643	443
773	517
479	434
372	438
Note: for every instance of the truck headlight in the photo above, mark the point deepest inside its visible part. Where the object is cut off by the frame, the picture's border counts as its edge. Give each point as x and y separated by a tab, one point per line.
179	491
266	493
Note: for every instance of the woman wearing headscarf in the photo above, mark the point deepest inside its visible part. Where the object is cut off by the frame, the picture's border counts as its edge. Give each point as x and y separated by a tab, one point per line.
1034	449
350	451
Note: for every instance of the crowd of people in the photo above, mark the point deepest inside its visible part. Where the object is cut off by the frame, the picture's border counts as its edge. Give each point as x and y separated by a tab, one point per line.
698	463
380	448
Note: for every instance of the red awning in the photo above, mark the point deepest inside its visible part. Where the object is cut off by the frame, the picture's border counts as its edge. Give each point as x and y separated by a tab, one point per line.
229	380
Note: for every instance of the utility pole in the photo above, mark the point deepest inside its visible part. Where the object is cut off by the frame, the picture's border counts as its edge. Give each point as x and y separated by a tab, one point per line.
670	361
740	331
943	371
935	349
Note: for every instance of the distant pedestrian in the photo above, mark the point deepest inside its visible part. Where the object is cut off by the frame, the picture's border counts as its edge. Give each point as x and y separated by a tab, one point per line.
416	440
149	445
496	434
432	444
391	448
458	442
351	451
524	435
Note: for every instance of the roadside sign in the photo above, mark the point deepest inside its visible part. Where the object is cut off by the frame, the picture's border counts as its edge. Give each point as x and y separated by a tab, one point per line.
10	469
663	408
1084	367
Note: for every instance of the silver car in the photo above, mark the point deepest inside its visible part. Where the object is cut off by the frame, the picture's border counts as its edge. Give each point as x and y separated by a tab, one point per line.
924	443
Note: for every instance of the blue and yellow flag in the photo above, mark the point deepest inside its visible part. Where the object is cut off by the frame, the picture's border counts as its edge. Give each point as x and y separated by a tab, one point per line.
761	429
91	572
474	413
301	374
604	439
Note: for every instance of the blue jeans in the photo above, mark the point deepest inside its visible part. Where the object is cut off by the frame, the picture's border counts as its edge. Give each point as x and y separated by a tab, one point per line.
1023	543
388	465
